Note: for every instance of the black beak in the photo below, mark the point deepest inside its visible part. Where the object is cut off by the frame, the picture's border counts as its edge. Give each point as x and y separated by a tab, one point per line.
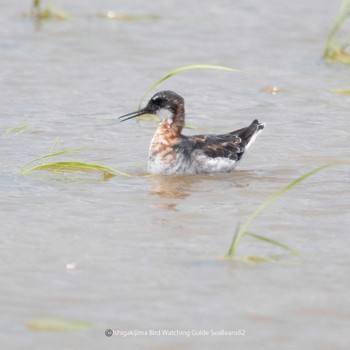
125	117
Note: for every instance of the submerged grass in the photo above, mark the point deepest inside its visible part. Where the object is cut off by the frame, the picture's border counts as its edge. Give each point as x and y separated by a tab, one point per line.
51	12
69	165
48	13
16	129
341	92
56	324
182	69
334	51
76	166
128	17
243	231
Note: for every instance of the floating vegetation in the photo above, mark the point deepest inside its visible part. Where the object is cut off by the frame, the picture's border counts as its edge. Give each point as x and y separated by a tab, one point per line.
243	231
70	165
51	12
127	17
341	92
182	69
48	13
273	90
75	166
16	129
57	324
334	51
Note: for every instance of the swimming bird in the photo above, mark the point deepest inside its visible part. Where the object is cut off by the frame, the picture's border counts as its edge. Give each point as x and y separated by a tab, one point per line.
173	153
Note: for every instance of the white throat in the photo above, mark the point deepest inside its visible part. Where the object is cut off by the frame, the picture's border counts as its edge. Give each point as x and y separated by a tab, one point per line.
165	115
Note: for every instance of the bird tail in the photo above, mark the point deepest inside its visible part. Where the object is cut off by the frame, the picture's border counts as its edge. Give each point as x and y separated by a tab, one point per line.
249	134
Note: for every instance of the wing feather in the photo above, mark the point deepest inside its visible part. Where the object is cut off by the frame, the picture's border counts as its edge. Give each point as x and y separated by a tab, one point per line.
231	145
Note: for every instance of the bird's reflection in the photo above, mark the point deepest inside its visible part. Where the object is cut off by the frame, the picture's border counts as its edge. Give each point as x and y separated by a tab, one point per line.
173	188
181	187
176	187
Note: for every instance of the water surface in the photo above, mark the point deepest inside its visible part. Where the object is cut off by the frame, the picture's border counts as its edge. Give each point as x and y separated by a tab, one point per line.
147	249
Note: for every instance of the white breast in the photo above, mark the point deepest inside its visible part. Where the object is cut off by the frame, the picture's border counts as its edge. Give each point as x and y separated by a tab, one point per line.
198	163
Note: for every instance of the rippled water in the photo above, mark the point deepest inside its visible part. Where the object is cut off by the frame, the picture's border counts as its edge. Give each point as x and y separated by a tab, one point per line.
147	249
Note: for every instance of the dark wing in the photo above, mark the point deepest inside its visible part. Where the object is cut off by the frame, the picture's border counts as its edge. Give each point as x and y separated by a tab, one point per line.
225	146
231	145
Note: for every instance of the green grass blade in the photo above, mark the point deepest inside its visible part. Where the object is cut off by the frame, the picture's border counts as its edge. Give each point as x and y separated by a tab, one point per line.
54	145
50	155
272	241
243	231
49	13
231	252
56	324
343	14
69	166
182	69
75	166
16	129
344	9
342	92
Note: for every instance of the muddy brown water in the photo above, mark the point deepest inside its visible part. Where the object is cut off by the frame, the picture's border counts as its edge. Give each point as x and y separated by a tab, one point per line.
147	249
